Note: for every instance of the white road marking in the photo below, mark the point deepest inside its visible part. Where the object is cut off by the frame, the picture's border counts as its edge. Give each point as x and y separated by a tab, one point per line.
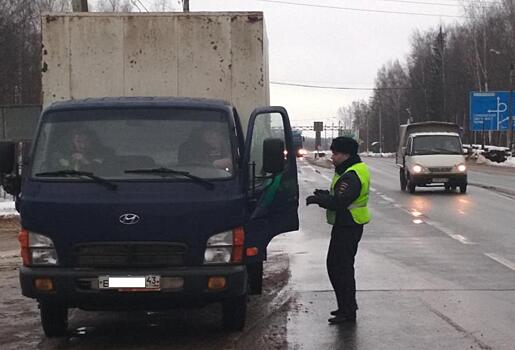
509	264
449	232
320	173
460	238
388	199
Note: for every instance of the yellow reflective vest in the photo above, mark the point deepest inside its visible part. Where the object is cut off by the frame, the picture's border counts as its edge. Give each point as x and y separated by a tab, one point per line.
358	208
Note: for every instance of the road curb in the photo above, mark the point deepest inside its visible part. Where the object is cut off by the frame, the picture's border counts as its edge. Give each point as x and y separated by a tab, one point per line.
502	190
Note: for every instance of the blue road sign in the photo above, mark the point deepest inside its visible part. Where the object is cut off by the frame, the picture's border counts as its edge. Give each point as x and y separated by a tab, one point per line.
490	111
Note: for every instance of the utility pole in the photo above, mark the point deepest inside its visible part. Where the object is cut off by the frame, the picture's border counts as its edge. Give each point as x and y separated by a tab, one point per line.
186	5
509	134
80	5
366	120
325	137
380	132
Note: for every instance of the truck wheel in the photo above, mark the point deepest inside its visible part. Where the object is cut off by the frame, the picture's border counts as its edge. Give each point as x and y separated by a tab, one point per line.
234	313
402	178
255	272
463	188
411	185
54	319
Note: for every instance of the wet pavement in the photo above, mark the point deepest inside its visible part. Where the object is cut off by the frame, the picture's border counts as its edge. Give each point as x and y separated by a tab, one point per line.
434	270
423	282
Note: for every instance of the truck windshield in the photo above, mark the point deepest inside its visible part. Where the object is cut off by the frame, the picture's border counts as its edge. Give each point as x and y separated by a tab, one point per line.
132	143
436	144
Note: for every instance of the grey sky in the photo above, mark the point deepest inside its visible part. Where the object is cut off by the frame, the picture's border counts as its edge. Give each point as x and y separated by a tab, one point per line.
335	47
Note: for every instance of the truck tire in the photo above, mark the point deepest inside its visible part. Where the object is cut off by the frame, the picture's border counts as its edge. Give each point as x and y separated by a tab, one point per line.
234	313
402	178
463	188
255	273
54	319
411	186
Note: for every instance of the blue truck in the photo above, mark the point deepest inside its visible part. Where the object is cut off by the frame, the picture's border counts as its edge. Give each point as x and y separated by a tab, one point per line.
151	202
298	140
147	221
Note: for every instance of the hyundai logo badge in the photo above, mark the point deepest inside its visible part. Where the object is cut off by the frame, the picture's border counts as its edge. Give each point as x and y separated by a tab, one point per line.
129	219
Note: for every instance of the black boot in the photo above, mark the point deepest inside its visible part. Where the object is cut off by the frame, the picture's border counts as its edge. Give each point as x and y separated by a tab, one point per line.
342	318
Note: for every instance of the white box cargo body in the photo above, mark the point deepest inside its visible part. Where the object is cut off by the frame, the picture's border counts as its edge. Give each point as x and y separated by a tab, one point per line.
211	55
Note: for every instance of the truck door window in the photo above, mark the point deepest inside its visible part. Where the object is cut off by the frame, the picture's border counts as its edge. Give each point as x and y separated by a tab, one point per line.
266	126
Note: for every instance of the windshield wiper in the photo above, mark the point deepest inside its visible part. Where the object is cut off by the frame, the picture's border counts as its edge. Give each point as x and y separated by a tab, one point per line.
446	151
65	173
168	171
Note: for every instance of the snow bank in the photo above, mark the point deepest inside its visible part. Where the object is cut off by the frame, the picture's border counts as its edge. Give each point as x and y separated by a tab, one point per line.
377	155
7	209
509	163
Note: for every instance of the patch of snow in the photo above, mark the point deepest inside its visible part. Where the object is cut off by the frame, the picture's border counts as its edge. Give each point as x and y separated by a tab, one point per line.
377	155
509	163
7	209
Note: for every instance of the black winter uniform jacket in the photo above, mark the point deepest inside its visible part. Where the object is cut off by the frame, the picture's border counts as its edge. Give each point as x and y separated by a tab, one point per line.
346	191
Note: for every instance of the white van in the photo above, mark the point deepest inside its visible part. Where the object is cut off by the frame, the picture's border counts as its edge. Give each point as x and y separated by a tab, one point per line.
431	154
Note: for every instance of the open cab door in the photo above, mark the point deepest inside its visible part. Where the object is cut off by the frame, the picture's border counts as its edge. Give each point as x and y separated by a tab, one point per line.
272	179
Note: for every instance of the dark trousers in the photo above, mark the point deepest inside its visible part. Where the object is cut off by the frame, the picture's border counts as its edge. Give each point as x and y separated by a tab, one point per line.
340	265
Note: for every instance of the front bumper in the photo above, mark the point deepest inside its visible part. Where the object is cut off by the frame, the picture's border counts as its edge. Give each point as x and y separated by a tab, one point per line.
79	288
439	179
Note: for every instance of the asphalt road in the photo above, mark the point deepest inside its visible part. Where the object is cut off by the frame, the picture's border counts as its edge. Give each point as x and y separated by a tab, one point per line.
435	270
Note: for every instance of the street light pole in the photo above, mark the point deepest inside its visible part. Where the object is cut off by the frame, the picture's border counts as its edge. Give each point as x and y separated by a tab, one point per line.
509	134
366	119
186	5
380	133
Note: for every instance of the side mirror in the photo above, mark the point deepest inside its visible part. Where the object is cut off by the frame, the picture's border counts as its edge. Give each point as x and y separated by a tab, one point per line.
7	157
404	150
273	155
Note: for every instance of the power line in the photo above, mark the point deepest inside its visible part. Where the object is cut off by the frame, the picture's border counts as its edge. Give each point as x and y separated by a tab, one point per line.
135	4
476	2
435	3
328	87
386	88
142	5
359	9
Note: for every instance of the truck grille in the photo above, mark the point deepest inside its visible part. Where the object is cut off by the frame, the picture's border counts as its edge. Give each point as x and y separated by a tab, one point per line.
130	254
440	170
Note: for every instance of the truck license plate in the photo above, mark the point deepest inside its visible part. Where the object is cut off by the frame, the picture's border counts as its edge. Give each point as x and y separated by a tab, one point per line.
440	179
130	282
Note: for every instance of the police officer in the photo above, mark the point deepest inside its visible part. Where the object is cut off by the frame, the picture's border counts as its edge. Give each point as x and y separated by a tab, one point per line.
347	211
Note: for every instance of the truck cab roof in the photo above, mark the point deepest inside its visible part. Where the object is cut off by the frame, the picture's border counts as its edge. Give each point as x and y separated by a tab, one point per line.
138	102
440	133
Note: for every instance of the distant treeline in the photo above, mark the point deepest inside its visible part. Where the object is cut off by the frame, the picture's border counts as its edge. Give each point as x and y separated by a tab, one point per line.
443	66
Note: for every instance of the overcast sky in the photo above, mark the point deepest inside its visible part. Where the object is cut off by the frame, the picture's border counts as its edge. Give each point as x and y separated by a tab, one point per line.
342	44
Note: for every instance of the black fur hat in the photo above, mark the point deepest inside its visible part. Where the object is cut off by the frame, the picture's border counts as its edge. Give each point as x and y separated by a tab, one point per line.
345	145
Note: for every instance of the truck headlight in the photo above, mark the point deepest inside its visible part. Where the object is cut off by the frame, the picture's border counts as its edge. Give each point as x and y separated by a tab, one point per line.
37	249
225	247
417	169
461	168
219	248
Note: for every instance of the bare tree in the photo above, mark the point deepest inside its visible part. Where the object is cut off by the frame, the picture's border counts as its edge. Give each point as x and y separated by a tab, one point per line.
166	5
114	6
54	5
